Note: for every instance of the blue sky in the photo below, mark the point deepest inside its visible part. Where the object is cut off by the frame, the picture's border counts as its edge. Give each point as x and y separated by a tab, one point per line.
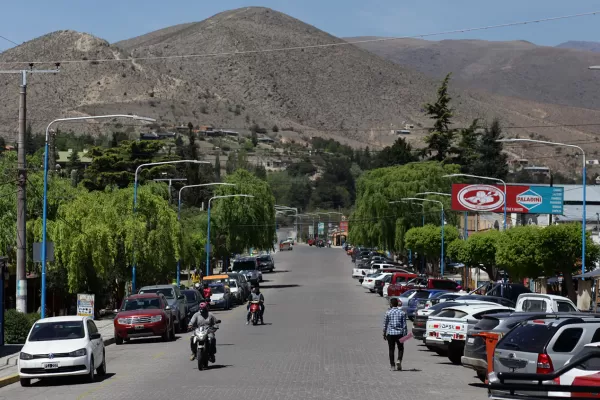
115	20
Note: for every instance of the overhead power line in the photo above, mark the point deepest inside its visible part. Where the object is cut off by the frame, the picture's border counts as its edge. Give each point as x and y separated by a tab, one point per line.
8	40
315	46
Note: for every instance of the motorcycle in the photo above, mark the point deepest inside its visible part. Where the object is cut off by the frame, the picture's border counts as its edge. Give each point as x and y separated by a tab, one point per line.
254	311
203	347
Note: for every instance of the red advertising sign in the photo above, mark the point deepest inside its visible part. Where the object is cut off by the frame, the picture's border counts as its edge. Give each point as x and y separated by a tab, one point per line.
519	199
344	226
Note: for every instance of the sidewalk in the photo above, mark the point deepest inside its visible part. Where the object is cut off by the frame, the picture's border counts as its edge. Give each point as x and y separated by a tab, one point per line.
9	353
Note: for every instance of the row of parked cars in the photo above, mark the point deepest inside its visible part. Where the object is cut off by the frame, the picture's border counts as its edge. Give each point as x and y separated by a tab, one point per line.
519	344
72	345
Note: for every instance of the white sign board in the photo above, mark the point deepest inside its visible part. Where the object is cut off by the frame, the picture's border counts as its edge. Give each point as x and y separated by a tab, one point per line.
311	230
85	305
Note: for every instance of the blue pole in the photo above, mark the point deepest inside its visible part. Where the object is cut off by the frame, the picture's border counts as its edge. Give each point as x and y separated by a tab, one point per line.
179	260
208	242
583	222
442	262
44	236
466	225
134	212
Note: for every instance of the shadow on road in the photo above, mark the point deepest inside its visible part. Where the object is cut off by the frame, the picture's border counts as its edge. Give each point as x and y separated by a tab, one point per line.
279	271
448	363
60	381
411	370
150	340
218	366
278	286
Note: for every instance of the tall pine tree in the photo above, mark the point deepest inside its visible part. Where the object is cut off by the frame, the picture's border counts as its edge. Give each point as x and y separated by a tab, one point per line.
440	138
466	149
491	161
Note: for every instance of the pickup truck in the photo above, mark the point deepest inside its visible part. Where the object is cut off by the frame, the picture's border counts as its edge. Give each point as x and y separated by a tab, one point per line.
398	280
536	302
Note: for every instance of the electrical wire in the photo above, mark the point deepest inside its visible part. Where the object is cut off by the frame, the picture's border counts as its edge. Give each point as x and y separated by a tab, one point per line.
315	46
8	40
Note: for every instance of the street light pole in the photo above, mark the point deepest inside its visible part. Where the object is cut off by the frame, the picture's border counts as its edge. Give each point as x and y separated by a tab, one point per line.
489	178
135	184
179	212
45	199
443	226
208	226
584	173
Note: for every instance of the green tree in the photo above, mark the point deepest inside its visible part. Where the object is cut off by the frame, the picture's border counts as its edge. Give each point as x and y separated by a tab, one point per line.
516	252
466	149
441	137
491	161
245	222
478	251
428	241
559	252
74	162
400	153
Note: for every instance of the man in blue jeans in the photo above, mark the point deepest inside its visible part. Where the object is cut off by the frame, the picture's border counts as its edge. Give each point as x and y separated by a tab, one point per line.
394	328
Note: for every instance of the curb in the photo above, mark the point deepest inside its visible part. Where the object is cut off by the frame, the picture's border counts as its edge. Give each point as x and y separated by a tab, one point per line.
9	380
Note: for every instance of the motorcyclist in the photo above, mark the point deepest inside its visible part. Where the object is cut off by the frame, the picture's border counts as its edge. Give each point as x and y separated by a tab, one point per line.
207	292
204	318
256	295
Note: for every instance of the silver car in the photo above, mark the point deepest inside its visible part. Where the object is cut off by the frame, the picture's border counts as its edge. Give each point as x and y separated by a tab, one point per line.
248	266
176	300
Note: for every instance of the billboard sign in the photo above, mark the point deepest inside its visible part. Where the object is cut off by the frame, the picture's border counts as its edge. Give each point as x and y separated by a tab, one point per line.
311	230
321	228
344	226
85	305
519	199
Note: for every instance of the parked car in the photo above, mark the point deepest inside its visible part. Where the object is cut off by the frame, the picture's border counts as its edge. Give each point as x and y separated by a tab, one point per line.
398	282
411	307
236	292
475	354
438	297
291	240
536	302
244	283
248	266
369	281
584	374
221	296
286	246
311	242
176	300
193	299
380	285
62	346
447	331
266	263
144	315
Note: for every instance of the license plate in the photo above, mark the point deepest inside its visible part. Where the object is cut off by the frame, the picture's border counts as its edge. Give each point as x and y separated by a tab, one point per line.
51	366
138	326
446	335
471	340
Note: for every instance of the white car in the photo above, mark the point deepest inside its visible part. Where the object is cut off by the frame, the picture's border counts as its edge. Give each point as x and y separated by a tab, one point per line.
369	281
62	346
236	291
447	331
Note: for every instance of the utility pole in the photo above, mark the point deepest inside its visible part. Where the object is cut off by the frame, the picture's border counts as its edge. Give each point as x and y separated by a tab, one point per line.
21	186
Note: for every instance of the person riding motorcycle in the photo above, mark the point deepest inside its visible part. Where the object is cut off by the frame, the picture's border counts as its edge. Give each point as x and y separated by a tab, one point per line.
256	295
204	318
207	292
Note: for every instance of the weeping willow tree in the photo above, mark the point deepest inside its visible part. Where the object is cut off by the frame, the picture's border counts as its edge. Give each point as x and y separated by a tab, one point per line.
381	218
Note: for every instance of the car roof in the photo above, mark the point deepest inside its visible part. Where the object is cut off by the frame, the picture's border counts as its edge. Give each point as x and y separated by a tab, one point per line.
158	287
143	295
66	318
245	259
543	296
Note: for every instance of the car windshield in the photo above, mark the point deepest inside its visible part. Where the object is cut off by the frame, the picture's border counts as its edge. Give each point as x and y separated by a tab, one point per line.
168	292
67	330
152	303
530	338
232	283
243	266
408	293
217	289
190	296
263	258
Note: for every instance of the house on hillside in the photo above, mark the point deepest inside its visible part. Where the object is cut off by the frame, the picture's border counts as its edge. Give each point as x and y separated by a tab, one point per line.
63	158
266	139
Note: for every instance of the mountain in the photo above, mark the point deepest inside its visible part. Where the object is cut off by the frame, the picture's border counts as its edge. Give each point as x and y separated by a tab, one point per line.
578	45
344	92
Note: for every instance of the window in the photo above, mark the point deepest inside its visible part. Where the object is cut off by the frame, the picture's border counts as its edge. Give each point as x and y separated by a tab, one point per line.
596	337
421	295
530	338
57	331
534	305
567	340
167	292
593	364
565	306
91	327
486	324
450	313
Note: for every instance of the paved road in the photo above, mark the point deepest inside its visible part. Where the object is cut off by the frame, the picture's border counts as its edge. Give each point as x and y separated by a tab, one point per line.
322	341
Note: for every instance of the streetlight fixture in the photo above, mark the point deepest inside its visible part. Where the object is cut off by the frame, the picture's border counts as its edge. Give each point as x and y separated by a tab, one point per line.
135	185
583	173
443	225
179	212
45	200
208	225
485	178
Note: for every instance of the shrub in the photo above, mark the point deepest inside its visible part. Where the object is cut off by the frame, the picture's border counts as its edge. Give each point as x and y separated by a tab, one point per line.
17	326
275	128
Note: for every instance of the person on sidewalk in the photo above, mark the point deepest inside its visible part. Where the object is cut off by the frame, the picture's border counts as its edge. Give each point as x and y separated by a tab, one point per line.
394	328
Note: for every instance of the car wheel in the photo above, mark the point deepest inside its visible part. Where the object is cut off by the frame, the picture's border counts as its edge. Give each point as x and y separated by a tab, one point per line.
177	326
102	368
430	348
166	335
118	339
172	331
454	357
25	382
91	375
440	352
380	294
182	324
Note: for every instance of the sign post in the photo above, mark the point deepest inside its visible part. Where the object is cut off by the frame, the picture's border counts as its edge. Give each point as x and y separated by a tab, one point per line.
321	228
85	305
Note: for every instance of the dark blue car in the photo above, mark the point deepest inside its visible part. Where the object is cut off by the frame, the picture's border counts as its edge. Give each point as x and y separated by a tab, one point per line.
411	308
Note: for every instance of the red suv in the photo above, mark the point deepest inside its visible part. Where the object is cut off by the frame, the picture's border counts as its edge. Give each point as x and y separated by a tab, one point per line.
144	315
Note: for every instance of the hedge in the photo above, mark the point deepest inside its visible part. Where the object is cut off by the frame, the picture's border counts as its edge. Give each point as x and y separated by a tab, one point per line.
17	326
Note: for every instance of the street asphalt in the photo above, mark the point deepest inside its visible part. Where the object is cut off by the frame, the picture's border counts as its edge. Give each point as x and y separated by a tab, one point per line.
322	340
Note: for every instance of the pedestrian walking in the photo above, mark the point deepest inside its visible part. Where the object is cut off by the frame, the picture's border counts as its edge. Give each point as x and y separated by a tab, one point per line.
394	328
